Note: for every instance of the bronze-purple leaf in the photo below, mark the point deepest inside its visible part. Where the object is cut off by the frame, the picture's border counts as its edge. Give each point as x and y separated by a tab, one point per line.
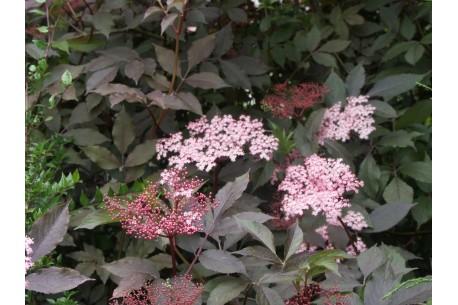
49	230
55	280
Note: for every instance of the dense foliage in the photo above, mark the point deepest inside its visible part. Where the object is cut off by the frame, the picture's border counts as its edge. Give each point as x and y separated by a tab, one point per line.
228	152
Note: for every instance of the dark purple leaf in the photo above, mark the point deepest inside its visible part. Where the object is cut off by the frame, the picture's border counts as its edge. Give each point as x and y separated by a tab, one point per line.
134	69
131	265
49	230
100	78
200	50
127	284
206	80
55	280
123	131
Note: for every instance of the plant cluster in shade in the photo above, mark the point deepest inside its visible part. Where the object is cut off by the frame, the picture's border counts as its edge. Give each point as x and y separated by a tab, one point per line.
165	208
222	138
338	124
312	292
284	101
175	291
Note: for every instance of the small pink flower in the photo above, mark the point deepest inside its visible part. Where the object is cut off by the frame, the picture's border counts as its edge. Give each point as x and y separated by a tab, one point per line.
357	117
175	291
28	253
166	208
285	101
222	138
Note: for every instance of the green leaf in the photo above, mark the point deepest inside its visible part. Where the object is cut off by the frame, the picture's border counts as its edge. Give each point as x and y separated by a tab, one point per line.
43	29
141	154
278	55
414	54
420	171
388	215
55	280
66	78
259	232
268	296
85	44
338	89
313	38
86	136
413	291
398	191
397	49
123	131
200	50
61	45
221	261
325	59
166	59
205	80
383	109
423	211
334	46
303	143
96	218
355	80
293	241
418	113
398	138
226	291
102	157
49	230
370	259
313	123
407	28
394	85
370	173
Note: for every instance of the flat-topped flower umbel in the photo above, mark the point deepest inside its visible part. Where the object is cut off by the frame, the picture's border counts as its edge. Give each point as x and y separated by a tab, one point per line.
222	137
166	208
356	116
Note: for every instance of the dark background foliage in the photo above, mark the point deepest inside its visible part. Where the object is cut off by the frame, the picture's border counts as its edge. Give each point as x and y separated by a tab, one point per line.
102	87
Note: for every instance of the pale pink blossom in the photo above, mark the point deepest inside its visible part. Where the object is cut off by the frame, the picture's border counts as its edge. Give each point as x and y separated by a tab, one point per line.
280	168
221	138
319	186
356	116
166	208
359	244
28	253
355	220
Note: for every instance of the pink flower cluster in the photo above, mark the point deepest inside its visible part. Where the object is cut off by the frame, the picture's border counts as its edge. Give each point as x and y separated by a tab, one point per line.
357	117
28	253
312	292
222	138
318	185
284	100
176	291
166	208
